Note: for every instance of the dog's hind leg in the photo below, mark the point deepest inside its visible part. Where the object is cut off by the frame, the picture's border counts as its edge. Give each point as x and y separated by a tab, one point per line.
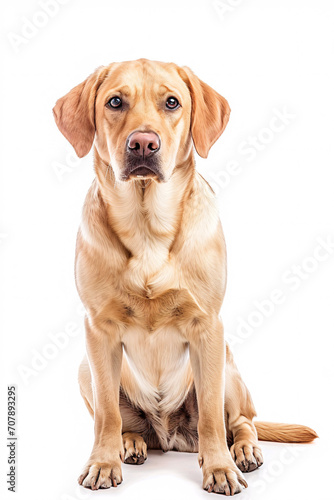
135	431
240	412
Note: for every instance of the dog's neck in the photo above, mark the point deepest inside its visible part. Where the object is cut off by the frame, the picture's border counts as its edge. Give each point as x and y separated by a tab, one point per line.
146	215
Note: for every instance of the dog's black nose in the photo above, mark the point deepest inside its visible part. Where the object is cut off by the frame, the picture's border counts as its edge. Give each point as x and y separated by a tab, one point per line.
143	144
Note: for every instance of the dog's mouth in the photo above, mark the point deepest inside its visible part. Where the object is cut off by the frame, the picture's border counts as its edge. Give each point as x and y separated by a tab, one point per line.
142	168
143	171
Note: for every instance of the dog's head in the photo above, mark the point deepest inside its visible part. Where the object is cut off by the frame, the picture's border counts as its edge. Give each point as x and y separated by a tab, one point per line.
142	117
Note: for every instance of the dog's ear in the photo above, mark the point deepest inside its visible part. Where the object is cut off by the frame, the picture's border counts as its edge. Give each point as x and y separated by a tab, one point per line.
75	112
210	112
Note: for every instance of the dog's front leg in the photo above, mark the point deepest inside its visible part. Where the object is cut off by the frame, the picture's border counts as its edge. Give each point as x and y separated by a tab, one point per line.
207	355
104	350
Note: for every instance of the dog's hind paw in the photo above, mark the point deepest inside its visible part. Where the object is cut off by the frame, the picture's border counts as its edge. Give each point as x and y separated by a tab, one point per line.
135	449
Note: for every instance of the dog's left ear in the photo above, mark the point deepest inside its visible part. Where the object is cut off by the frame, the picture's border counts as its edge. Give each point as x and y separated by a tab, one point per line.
75	113
210	112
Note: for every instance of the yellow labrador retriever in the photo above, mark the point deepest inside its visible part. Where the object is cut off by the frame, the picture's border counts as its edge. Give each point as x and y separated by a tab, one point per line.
150	270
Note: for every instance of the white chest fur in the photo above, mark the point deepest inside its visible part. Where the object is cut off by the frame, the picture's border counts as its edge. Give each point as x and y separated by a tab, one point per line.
159	367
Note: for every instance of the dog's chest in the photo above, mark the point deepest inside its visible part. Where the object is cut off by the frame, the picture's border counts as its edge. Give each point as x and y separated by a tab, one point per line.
151	273
159	365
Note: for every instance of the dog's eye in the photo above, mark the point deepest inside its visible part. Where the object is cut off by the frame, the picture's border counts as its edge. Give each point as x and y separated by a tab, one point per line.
115	102
172	103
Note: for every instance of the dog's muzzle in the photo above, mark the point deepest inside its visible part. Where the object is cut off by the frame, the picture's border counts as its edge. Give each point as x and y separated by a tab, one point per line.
142	156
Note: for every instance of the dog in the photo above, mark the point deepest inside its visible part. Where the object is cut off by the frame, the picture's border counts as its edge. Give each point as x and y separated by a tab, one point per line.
151	272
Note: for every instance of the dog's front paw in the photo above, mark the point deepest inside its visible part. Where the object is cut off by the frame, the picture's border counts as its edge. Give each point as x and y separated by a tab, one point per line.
101	474
225	479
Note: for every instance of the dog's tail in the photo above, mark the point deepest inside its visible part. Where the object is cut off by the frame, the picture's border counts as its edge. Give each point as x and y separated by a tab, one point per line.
284	433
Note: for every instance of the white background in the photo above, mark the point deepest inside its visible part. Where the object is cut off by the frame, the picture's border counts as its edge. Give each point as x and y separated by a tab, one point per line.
262	56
